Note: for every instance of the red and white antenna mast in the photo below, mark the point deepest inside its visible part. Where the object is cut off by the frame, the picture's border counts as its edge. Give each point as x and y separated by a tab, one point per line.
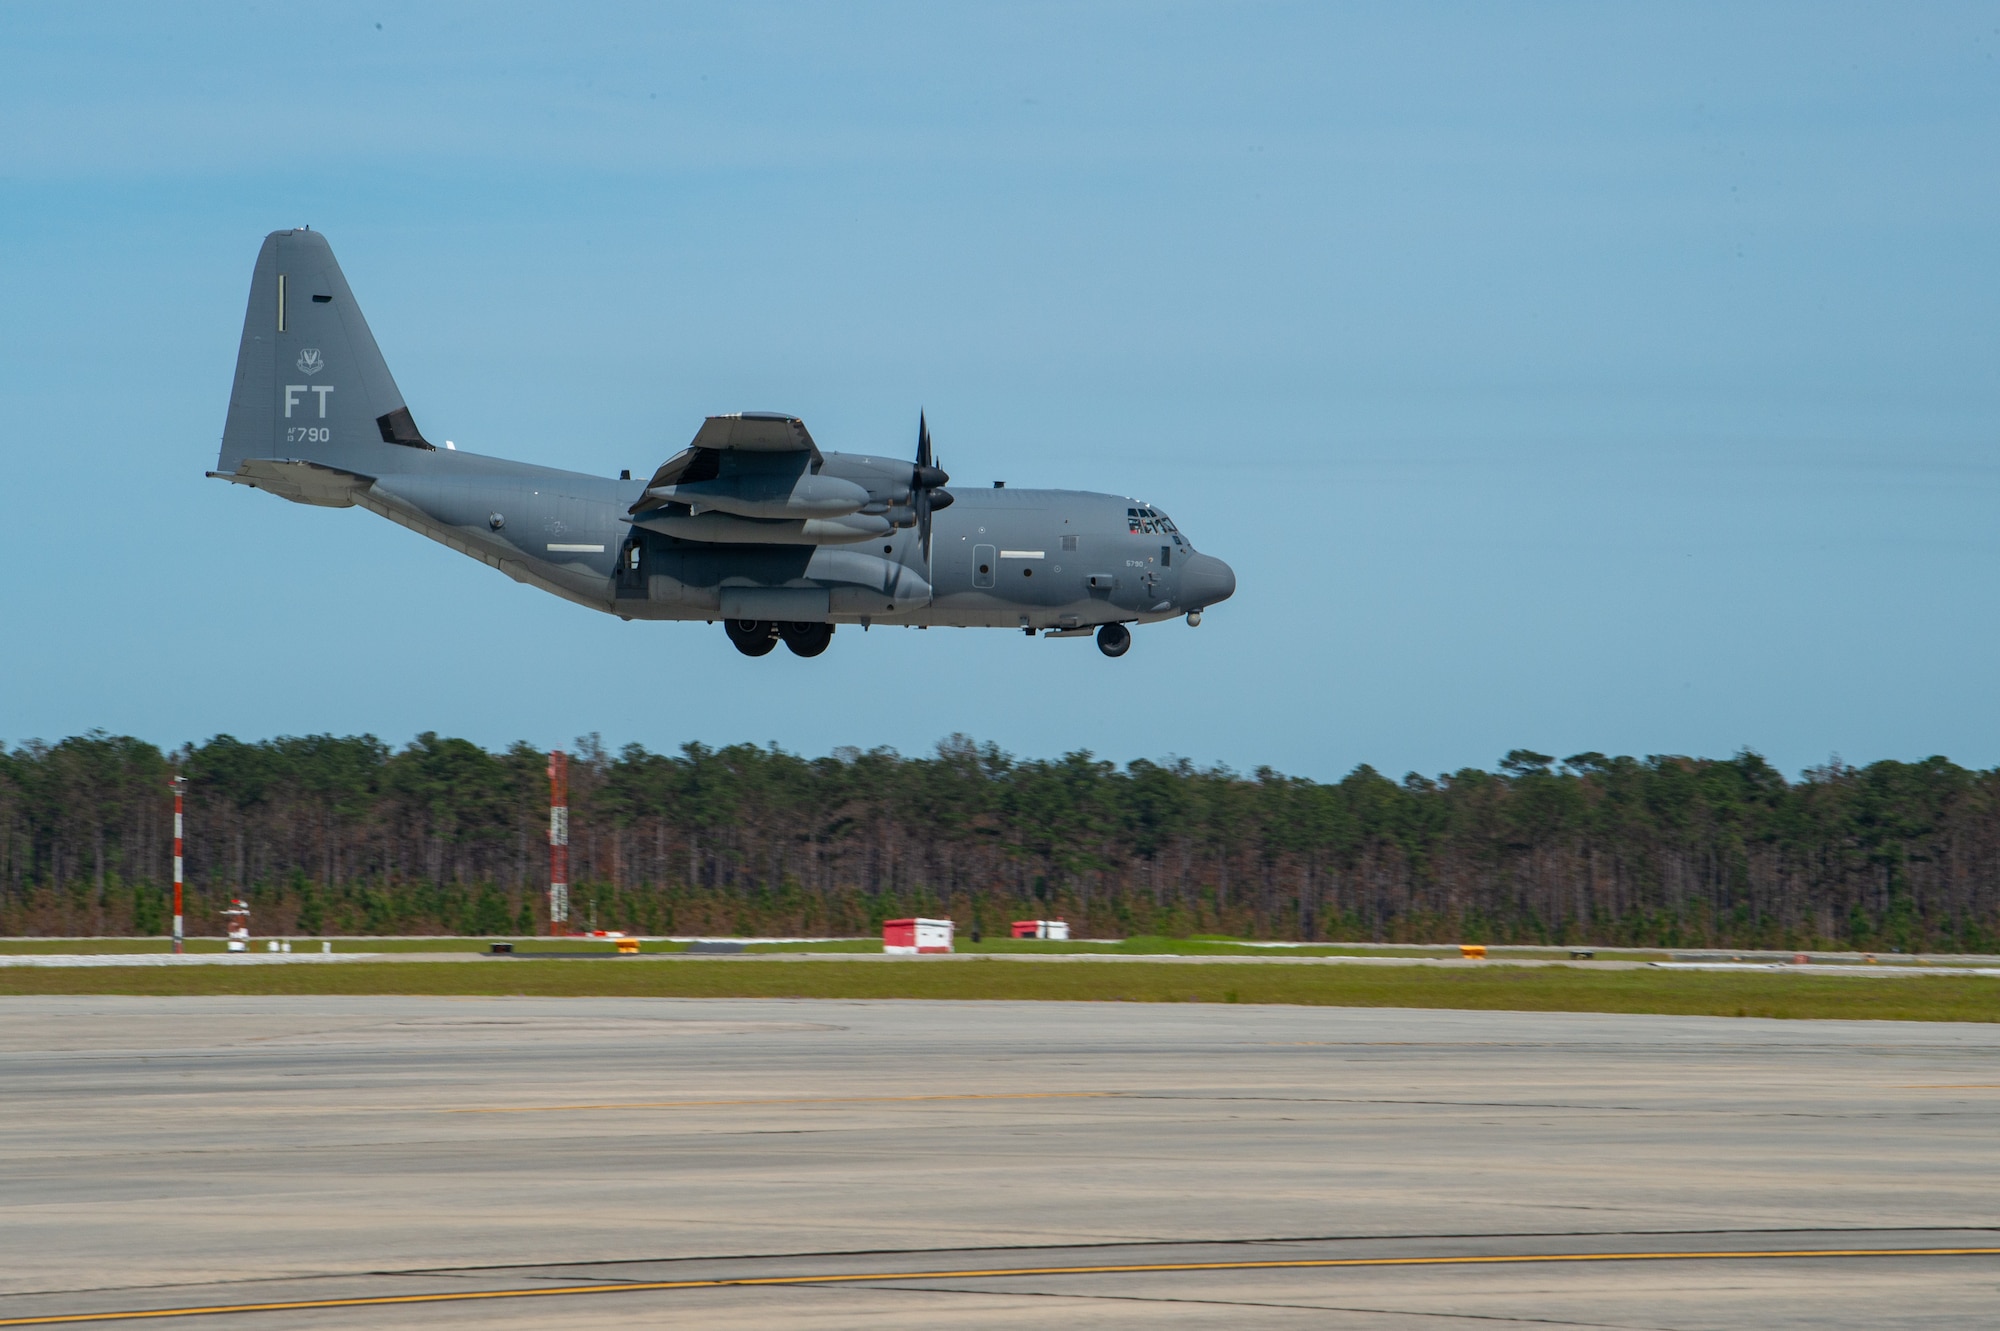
558	842
179	784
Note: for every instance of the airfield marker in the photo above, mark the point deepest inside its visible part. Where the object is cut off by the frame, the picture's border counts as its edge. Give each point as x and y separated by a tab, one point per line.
558	841
179	784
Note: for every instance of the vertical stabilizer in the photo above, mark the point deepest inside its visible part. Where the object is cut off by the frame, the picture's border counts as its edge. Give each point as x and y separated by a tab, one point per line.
310	382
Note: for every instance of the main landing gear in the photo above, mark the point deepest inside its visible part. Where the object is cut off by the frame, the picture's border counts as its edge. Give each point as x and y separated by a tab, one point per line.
1114	639
806	639
756	637
753	637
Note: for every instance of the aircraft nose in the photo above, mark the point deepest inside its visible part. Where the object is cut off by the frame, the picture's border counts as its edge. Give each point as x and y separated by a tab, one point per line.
1205	581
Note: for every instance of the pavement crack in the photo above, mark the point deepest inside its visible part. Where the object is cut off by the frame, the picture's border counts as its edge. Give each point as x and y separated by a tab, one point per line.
1261	1303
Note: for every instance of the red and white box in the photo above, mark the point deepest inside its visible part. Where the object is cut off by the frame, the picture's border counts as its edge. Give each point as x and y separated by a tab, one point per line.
1041	929
912	936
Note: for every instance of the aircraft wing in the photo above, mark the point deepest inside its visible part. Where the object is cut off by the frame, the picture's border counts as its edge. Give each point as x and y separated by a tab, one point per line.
756	432
748	432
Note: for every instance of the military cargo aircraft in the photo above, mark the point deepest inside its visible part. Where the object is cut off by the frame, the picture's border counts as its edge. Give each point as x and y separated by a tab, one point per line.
751	523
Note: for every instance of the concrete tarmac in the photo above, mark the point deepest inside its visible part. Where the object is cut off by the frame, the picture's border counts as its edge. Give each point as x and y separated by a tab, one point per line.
988	1164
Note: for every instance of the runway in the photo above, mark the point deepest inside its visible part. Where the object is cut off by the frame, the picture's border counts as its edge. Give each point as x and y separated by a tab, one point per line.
351	1162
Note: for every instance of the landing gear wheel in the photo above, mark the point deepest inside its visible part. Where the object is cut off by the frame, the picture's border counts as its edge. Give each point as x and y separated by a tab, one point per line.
806	639
753	637
1114	639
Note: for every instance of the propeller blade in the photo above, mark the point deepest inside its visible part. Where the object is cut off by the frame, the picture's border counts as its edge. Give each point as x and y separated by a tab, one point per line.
925	480
925	475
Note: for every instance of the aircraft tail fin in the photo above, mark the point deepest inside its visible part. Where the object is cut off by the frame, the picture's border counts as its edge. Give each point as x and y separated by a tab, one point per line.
311	385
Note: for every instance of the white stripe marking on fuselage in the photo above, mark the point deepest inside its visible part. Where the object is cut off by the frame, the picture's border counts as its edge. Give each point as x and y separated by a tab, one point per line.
1021	554
576	549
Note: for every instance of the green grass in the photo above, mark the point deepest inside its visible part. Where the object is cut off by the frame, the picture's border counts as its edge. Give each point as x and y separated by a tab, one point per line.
1199	946
300	943
1929	998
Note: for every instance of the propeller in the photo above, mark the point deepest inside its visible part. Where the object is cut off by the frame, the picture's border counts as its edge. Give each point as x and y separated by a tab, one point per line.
927	492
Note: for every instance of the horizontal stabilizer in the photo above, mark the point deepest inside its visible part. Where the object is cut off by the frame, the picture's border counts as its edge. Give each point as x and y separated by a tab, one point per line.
300	482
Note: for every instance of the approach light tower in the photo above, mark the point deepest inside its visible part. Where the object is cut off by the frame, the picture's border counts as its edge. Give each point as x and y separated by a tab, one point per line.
558	842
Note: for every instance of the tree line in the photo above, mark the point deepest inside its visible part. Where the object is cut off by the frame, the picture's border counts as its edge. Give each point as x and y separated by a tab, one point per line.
328	834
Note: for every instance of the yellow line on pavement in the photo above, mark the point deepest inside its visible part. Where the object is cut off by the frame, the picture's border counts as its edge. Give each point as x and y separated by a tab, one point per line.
800	1100
986	1273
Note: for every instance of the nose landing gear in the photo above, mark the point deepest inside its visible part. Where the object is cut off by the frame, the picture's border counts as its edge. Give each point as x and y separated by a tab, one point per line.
1114	639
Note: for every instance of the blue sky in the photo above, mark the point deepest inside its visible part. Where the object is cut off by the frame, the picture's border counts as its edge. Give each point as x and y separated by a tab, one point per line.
1571	377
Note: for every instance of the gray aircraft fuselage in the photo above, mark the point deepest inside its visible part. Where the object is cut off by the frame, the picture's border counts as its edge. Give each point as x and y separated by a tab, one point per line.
752	524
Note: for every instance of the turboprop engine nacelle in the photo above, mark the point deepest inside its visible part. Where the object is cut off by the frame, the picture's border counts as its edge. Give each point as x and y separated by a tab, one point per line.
803	496
732	529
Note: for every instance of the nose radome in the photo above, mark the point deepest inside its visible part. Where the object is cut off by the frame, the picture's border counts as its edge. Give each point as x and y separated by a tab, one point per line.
1206	581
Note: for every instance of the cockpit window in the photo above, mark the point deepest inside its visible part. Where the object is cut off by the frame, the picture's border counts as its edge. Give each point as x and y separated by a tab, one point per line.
1144	518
